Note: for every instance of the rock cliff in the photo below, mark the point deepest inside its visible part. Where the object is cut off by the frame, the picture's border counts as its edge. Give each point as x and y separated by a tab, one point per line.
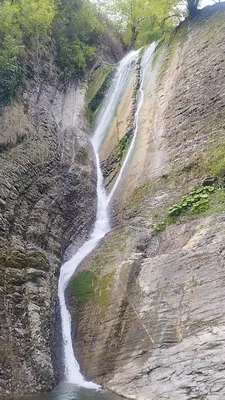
148	308
47	202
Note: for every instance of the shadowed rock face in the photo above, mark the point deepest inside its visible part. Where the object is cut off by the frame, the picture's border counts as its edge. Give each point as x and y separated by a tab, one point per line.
47	202
156	328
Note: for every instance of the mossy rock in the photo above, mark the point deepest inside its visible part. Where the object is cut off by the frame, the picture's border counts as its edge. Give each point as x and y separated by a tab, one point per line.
82	286
97	81
20	259
96	90
90	285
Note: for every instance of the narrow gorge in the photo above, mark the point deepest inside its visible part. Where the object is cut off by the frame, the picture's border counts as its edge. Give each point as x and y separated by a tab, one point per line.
112	224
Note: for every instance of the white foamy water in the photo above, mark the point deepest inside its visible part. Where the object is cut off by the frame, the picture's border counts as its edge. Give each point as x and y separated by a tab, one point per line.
113	96
145	62
102	226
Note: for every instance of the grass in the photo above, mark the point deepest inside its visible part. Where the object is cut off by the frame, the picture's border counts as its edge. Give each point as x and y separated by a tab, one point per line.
140	194
215	163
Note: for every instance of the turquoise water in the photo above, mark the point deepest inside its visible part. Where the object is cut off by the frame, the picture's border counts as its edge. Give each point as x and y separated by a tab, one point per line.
66	391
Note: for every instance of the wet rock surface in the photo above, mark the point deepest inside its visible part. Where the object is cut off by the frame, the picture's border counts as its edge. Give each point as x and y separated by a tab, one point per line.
159	334
47	203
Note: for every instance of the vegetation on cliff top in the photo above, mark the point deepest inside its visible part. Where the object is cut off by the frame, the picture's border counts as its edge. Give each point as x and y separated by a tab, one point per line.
34	32
141	21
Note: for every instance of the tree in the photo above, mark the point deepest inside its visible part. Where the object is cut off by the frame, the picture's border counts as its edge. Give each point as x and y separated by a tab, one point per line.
76	30
25	27
24	24
142	19
192	6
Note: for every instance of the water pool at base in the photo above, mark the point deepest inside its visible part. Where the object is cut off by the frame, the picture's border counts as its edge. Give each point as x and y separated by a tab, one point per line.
68	391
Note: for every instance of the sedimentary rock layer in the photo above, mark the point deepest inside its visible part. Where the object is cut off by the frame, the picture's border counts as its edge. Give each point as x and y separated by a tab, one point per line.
47	201
153	324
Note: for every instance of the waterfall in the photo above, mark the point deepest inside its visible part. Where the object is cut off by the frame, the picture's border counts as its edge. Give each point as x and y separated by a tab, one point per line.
145	61
102	225
113	97
72	369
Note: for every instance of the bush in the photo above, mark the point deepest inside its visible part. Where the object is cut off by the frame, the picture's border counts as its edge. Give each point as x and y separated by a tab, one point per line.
11	78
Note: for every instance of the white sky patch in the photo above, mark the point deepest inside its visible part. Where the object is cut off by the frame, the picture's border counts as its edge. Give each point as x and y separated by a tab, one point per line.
205	3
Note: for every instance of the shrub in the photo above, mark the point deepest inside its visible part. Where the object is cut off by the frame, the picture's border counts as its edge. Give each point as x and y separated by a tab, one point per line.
11	78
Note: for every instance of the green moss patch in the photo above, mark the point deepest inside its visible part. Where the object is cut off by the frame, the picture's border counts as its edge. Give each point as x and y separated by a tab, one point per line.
124	145
97	88
140	193
82	286
91	285
215	162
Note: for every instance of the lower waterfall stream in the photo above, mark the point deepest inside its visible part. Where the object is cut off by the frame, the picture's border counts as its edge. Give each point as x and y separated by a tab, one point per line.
102	224
101	227
75	387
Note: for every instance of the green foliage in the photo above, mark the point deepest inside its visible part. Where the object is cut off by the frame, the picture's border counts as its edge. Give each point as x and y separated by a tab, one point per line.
195	201
11	78
160	226
35	19
24	26
76	31
28	29
203	201
144	21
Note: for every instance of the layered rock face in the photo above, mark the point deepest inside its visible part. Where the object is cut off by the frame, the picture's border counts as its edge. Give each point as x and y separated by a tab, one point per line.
150	318
47	202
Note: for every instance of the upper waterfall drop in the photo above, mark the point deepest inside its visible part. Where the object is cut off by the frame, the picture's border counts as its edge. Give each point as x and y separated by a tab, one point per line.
145	61
112	98
101	227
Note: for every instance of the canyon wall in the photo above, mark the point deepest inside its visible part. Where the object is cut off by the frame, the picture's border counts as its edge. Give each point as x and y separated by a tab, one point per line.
148	305
48	206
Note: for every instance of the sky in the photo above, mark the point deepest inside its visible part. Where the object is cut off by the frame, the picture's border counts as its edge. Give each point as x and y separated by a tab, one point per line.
206	3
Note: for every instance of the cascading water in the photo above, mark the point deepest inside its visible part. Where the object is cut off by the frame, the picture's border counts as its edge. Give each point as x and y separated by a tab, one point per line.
72	369
146	58
102	225
112	98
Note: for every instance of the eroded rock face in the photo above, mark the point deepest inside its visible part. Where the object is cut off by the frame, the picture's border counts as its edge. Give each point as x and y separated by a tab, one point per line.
48	206
156	328
161	331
